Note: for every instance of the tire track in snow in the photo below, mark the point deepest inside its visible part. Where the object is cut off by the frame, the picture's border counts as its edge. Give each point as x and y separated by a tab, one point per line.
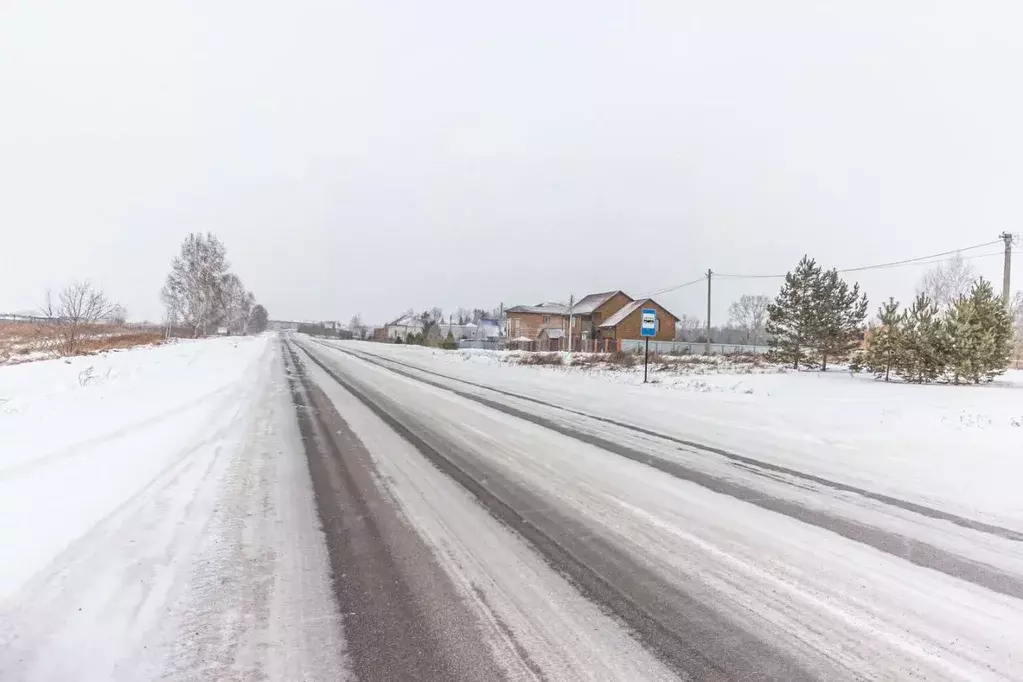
924	510
391	630
915	551
686	634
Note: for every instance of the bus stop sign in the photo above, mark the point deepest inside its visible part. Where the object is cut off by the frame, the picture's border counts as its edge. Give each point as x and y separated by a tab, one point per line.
648	326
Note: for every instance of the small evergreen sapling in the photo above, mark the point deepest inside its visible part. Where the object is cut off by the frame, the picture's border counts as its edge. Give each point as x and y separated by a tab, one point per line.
885	341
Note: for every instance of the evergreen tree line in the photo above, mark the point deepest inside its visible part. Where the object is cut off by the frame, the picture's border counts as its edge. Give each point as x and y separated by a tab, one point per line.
970	342
817	317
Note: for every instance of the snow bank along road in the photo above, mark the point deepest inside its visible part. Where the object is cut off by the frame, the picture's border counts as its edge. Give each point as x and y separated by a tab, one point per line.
157	521
574	547
277	508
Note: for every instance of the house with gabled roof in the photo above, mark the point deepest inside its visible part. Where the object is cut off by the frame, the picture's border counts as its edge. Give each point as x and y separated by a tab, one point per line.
592	310
610	315
526	321
626	322
403	326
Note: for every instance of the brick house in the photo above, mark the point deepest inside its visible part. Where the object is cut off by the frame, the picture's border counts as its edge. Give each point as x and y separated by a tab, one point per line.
528	320
593	310
626	322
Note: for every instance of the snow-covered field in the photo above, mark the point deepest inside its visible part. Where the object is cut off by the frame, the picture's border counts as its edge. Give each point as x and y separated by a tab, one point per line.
158	520
957	447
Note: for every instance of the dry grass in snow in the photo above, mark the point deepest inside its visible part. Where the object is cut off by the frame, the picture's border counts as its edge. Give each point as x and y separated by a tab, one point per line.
25	342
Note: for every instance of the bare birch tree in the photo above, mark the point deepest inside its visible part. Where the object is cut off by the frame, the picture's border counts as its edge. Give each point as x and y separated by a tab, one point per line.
248	304
948	281
749	314
356	327
234	299
688	328
195	284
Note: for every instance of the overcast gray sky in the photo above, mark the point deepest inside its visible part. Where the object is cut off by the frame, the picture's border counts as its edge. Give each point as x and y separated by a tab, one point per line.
375	156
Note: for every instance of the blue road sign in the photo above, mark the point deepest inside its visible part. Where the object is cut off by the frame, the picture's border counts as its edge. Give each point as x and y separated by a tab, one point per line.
648	327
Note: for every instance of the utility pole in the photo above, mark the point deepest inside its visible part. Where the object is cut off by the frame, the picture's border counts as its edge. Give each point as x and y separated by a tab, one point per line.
571	304
1007	266
710	274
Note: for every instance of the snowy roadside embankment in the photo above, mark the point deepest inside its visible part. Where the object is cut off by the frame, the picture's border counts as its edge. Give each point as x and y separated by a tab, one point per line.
953	447
158	521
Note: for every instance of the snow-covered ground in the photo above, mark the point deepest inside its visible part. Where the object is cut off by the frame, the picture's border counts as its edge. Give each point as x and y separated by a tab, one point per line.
954	447
158	520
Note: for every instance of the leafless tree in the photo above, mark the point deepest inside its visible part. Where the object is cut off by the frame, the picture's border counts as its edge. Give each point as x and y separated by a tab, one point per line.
1016	310
749	314
76	312
356	327
948	281
688	328
118	315
195	284
260	319
247	310
233	301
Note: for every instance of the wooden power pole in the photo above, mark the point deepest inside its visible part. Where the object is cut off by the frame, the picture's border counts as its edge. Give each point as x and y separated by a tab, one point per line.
710	274
1007	266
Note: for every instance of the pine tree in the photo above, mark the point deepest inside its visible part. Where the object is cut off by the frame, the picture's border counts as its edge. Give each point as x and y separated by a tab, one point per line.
840	313
885	341
923	346
793	318
980	335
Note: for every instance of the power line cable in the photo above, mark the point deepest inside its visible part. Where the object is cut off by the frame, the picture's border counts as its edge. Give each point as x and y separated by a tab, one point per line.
679	286
920	260
907	261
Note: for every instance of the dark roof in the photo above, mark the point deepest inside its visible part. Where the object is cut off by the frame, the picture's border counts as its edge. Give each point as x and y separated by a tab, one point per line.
587	304
546	308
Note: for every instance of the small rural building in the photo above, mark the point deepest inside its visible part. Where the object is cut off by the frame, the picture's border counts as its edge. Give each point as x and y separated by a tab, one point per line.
551	339
457	331
528	320
403	326
626	322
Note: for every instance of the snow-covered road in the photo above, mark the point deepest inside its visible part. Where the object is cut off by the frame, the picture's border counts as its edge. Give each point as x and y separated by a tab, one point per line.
718	567
279	508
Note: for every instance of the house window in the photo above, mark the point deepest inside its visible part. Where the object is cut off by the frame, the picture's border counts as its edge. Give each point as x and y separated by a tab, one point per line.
546	318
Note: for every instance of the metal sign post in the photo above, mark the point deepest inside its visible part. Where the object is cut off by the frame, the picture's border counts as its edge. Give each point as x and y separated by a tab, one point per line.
647	328
646	357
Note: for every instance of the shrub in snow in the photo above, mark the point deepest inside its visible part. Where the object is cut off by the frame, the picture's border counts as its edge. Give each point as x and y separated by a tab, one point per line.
542	359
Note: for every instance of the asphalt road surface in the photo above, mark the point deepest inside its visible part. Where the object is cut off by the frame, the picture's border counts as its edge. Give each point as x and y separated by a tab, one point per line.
478	534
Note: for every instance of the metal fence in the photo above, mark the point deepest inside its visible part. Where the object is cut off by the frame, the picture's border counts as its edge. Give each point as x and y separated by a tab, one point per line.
26	319
691	348
481	345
